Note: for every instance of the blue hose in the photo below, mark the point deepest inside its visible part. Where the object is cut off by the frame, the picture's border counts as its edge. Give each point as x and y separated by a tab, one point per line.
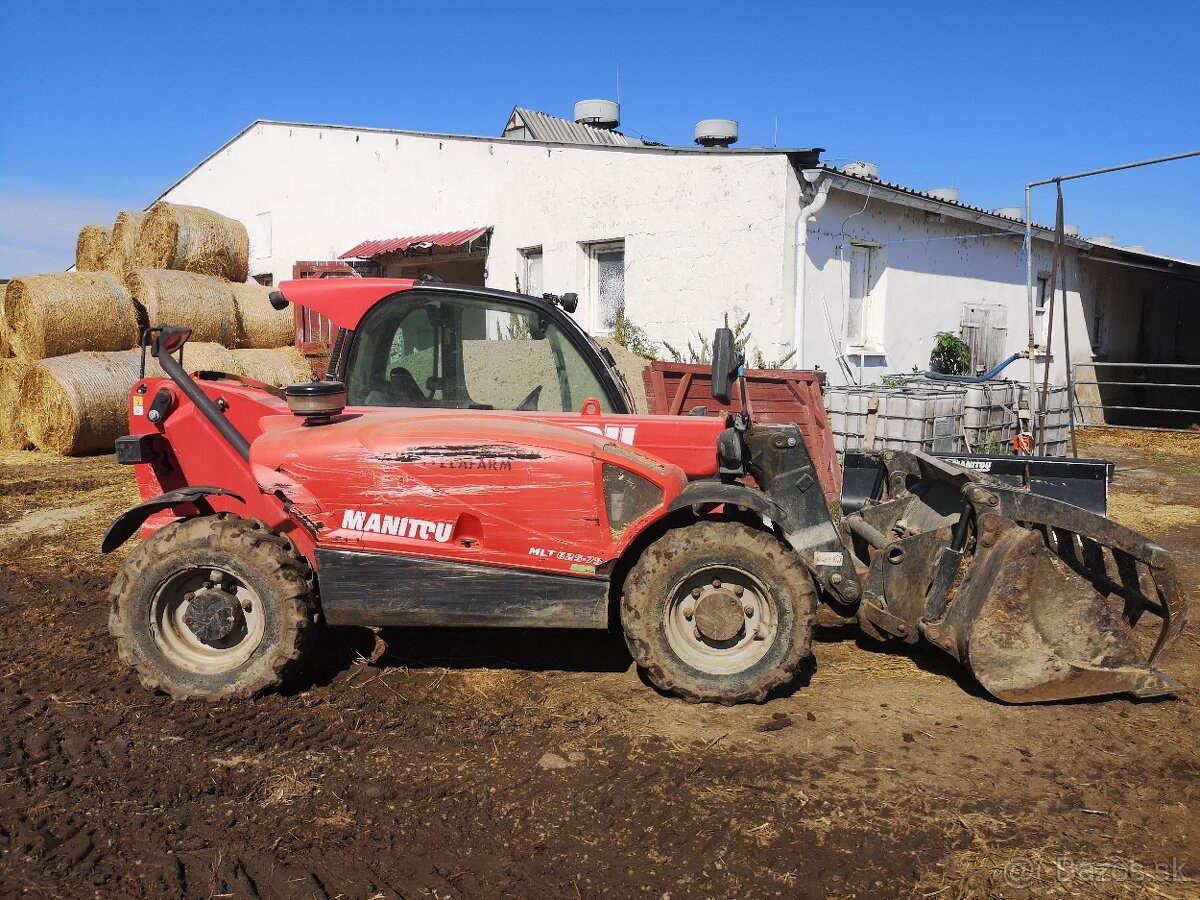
938	376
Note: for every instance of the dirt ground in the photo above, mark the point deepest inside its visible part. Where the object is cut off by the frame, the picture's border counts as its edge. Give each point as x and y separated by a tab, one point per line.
480	765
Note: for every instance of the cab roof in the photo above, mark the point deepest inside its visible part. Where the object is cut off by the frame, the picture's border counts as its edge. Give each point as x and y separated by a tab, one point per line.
343	301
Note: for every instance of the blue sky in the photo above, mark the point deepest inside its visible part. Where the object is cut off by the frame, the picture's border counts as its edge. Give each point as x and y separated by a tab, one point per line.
104	105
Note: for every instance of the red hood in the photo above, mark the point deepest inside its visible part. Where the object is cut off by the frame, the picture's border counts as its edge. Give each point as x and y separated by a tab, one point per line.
343	301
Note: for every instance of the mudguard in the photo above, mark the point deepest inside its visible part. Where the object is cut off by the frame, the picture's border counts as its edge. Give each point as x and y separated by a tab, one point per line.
127	524
705	492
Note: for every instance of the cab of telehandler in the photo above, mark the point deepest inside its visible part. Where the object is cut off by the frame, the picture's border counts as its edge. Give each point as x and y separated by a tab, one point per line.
459	348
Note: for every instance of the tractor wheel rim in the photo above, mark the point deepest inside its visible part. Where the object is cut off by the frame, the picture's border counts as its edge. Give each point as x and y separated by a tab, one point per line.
182	646
720	620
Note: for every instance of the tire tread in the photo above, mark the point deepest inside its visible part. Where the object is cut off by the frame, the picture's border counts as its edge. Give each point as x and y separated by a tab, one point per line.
736	539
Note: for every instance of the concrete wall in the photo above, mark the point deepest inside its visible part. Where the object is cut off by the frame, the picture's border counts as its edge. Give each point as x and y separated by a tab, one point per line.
703	232
932	266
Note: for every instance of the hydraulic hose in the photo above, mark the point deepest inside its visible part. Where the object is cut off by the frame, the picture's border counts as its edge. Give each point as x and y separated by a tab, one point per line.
938	376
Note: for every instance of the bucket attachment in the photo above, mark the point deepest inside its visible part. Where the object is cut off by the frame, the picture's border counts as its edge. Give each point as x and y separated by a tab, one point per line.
1038	599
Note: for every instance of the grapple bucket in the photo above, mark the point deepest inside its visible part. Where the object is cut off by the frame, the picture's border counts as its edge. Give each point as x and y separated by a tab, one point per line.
1039	599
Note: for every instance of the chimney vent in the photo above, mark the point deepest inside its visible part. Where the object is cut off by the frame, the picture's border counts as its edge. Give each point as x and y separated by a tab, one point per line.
862	170
604	114
716	132
948	194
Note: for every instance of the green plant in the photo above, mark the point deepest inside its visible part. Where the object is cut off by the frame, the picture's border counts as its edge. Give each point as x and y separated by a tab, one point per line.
761	362
951	355
893	381
517	329
702	355
634	338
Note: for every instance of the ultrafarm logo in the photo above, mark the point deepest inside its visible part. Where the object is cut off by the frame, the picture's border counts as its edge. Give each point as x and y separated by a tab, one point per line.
399	526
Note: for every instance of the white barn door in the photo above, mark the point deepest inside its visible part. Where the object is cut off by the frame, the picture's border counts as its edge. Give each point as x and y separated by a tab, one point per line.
984	327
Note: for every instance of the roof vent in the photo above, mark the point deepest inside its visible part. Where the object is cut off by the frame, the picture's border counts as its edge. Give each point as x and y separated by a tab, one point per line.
862	170
1071	230
1136	248
1104	240
598	113
1010	212
716	132
950	195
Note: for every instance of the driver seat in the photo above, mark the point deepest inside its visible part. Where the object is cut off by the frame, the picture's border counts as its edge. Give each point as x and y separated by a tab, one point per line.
403	387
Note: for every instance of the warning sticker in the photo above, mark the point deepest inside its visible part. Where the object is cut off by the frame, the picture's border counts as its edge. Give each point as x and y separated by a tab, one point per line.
828	558
137	406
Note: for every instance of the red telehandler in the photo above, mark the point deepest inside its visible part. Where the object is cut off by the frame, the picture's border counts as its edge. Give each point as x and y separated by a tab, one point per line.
471	459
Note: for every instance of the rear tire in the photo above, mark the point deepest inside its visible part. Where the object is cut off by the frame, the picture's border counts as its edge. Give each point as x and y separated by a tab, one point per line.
211	608
719	612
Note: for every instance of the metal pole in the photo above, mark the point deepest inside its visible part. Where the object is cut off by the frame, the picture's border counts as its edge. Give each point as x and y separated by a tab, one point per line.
1062	260
1132	165
1032	350
1055	259
1029	186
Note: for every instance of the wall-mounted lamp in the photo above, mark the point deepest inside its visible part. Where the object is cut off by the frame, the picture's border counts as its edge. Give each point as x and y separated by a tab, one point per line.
812	176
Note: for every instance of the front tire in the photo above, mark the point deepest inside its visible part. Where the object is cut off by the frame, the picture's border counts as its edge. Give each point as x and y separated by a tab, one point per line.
719	612
211	608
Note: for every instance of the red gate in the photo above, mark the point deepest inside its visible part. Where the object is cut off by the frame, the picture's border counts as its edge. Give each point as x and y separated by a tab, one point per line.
789	396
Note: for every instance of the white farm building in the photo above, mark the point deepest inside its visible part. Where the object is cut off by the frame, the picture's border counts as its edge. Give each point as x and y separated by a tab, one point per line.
855	273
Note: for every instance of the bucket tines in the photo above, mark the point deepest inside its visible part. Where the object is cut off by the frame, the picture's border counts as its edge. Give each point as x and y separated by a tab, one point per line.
1050	601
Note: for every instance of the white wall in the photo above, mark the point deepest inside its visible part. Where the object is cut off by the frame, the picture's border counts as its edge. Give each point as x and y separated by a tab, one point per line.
932	267
704	232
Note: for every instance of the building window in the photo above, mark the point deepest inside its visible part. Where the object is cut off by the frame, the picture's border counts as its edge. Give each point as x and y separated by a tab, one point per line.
1042	294
864	314
262	236
606	284
531	271
1041	302
1099	321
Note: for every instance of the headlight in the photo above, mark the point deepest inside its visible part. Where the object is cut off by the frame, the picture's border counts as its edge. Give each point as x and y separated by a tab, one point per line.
627	497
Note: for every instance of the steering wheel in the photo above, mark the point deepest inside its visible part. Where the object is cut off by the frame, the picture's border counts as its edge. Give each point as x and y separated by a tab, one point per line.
530	403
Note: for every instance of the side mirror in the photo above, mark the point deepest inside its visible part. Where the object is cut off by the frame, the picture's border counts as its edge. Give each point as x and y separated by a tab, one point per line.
169	340
724	365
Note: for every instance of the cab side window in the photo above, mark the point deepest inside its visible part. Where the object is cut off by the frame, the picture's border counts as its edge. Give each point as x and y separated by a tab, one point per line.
467	352
508	363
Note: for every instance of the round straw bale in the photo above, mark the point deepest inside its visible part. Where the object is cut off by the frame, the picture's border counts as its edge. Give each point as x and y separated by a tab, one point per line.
91	246
193	239
260	325
197	356
199	302
12	429
123	247
55	315
279	367
78	403
6	347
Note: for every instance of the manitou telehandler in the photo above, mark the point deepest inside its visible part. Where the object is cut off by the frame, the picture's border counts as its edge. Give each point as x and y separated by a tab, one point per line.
471	459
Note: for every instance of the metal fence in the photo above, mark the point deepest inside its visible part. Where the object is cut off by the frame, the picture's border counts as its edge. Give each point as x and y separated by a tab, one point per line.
1151	396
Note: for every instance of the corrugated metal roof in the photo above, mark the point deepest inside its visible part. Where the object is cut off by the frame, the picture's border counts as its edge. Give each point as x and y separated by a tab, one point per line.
368	249
1014	225
551	129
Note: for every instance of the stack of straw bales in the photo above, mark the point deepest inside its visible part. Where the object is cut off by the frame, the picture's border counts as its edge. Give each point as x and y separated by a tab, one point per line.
68	342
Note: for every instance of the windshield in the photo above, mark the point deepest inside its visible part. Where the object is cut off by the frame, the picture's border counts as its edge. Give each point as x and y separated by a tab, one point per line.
467	353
